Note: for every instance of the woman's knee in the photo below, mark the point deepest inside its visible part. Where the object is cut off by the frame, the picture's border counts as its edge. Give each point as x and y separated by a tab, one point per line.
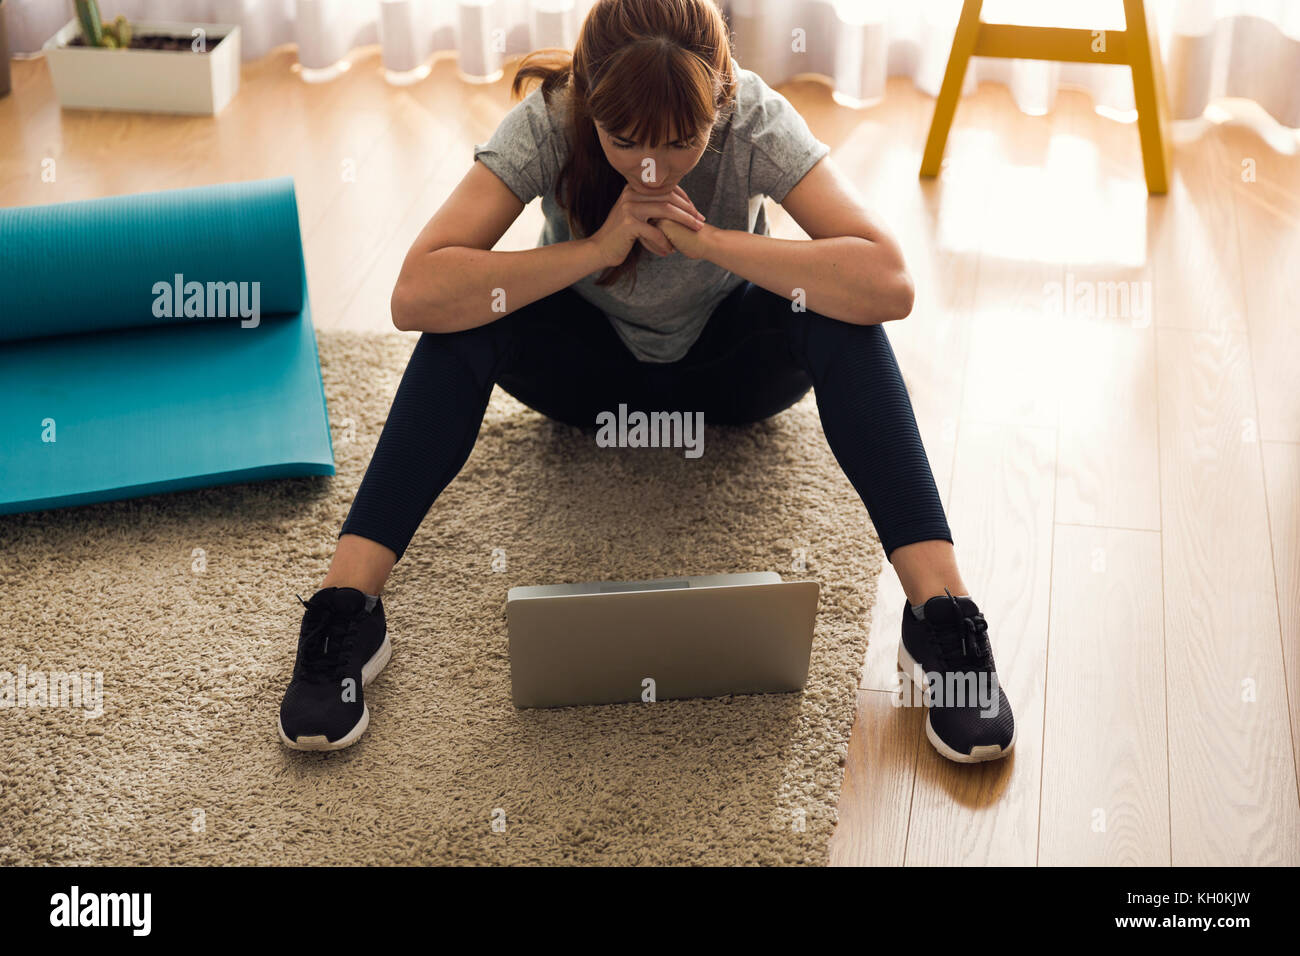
480	350
831	343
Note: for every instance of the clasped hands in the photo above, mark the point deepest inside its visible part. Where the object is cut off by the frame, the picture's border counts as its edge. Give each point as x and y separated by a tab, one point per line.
677	237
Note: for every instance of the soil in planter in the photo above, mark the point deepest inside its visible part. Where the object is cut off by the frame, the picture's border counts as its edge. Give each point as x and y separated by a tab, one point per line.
159	41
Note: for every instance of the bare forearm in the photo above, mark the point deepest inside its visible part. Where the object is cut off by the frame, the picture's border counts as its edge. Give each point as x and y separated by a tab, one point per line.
846	277
457	287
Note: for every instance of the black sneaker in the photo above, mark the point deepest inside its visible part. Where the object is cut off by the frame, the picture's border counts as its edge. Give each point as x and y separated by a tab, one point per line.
949	658
341	648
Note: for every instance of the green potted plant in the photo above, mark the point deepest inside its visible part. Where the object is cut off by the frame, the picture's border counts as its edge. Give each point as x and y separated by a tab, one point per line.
94	32
150	66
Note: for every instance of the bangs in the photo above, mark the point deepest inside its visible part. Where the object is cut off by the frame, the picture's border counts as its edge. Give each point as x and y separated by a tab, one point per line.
650	90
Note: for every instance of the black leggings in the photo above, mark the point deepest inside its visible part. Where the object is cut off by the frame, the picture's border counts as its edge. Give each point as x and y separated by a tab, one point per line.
559	355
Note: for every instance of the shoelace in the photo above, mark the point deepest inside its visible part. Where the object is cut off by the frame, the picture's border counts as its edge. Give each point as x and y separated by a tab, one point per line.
329	628
965	642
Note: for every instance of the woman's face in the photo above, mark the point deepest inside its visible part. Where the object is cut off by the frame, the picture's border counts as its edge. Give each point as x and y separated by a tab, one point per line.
652	170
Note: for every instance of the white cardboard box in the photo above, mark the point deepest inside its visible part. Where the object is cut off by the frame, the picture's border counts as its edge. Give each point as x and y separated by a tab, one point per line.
152	81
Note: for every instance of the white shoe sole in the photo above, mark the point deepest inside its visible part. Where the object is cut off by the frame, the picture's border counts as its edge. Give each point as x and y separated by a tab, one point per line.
913	671
369	671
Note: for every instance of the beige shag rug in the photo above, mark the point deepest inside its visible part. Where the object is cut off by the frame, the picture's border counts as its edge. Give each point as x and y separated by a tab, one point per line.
185	603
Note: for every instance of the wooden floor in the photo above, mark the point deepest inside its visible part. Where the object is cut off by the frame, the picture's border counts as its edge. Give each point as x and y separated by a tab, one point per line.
1122	477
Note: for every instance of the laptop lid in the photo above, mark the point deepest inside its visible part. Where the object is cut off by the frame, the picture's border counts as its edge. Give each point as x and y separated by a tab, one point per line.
659	643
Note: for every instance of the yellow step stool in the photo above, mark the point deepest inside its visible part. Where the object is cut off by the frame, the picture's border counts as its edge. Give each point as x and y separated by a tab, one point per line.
1135	46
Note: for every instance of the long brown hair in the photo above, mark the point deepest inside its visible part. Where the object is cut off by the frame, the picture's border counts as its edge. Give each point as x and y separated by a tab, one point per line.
639	67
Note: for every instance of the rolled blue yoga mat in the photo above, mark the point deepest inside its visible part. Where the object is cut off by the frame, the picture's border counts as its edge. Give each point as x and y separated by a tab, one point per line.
92	265
156	342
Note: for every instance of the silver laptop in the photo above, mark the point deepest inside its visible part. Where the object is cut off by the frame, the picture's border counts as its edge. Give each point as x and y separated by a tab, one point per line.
604	642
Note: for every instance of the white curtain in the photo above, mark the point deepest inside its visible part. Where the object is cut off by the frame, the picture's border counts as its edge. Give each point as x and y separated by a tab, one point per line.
485	33
1246	48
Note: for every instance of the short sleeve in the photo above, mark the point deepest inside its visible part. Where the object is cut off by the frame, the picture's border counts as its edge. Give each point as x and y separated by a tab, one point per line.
784	148
527	150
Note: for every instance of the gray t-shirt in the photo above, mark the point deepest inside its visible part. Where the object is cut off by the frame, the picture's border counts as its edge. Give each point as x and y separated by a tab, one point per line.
763	148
